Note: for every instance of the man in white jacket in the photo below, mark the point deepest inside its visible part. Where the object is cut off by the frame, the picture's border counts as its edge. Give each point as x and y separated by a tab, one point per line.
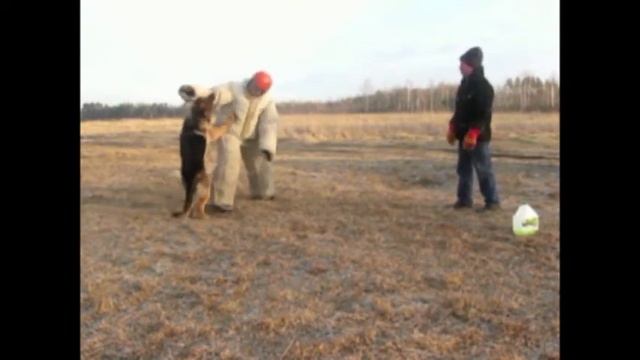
252	139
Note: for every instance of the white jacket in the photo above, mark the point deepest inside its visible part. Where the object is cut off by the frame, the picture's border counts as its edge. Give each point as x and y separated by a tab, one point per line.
256	115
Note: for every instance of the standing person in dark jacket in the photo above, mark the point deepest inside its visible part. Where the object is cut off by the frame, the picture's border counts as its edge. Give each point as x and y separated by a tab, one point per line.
471	126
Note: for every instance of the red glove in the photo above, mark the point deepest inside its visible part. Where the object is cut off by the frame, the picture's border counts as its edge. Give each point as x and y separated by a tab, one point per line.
471	139
451	134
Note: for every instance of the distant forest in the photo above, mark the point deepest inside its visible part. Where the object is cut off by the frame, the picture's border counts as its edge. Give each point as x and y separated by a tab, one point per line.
522	94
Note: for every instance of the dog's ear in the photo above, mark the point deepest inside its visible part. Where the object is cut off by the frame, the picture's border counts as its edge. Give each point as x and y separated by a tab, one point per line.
206	103
211	97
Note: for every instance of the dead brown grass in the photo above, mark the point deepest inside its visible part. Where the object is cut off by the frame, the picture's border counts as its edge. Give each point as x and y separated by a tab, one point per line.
358	258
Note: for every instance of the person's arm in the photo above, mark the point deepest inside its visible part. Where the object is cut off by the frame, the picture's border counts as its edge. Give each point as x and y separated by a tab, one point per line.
483	104
223	95
451	133
268	130
192	92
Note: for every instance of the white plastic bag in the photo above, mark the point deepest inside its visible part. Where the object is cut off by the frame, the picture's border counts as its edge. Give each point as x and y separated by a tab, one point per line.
525	221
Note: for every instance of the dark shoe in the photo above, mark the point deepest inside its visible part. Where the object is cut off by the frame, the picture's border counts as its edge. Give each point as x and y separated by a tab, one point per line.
213	209
259	197
460	205
490	207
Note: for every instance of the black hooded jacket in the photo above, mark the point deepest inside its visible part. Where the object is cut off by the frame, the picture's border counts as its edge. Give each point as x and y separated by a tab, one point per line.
474	102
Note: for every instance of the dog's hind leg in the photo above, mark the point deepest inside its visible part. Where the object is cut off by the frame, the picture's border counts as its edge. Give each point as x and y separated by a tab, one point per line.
202	194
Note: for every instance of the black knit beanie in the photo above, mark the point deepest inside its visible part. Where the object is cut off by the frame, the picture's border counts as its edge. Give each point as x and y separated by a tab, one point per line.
473	57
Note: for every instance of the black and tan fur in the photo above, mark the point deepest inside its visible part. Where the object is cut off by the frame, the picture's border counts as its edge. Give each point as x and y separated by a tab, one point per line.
197	132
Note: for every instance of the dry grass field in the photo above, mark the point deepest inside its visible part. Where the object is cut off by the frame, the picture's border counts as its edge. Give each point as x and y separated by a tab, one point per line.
359	257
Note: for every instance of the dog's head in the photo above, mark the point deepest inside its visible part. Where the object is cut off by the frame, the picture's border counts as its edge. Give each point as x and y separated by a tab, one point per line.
202	107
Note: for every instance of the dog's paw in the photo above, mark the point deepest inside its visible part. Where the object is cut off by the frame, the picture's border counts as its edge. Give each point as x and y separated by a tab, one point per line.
197	215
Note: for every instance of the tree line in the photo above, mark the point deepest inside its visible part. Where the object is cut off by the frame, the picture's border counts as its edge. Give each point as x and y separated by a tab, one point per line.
520	94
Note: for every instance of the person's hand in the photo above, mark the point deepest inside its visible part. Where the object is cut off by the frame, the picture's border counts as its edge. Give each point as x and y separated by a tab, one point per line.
471	139
267	155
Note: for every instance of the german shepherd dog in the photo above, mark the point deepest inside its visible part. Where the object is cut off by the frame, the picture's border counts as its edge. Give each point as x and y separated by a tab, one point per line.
197	132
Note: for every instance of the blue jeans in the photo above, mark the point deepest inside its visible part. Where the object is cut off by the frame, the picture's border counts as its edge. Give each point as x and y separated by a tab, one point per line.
480	159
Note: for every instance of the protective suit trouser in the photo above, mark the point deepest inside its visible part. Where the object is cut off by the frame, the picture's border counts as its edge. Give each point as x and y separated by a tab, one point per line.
232	151
259	170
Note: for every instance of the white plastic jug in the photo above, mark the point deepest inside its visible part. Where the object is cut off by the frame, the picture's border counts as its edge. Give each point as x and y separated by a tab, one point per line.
525	221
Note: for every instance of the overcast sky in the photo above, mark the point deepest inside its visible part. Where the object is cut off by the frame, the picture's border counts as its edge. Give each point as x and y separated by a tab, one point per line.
143	50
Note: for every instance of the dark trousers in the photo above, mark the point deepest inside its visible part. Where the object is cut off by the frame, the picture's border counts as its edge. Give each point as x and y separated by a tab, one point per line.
479	159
